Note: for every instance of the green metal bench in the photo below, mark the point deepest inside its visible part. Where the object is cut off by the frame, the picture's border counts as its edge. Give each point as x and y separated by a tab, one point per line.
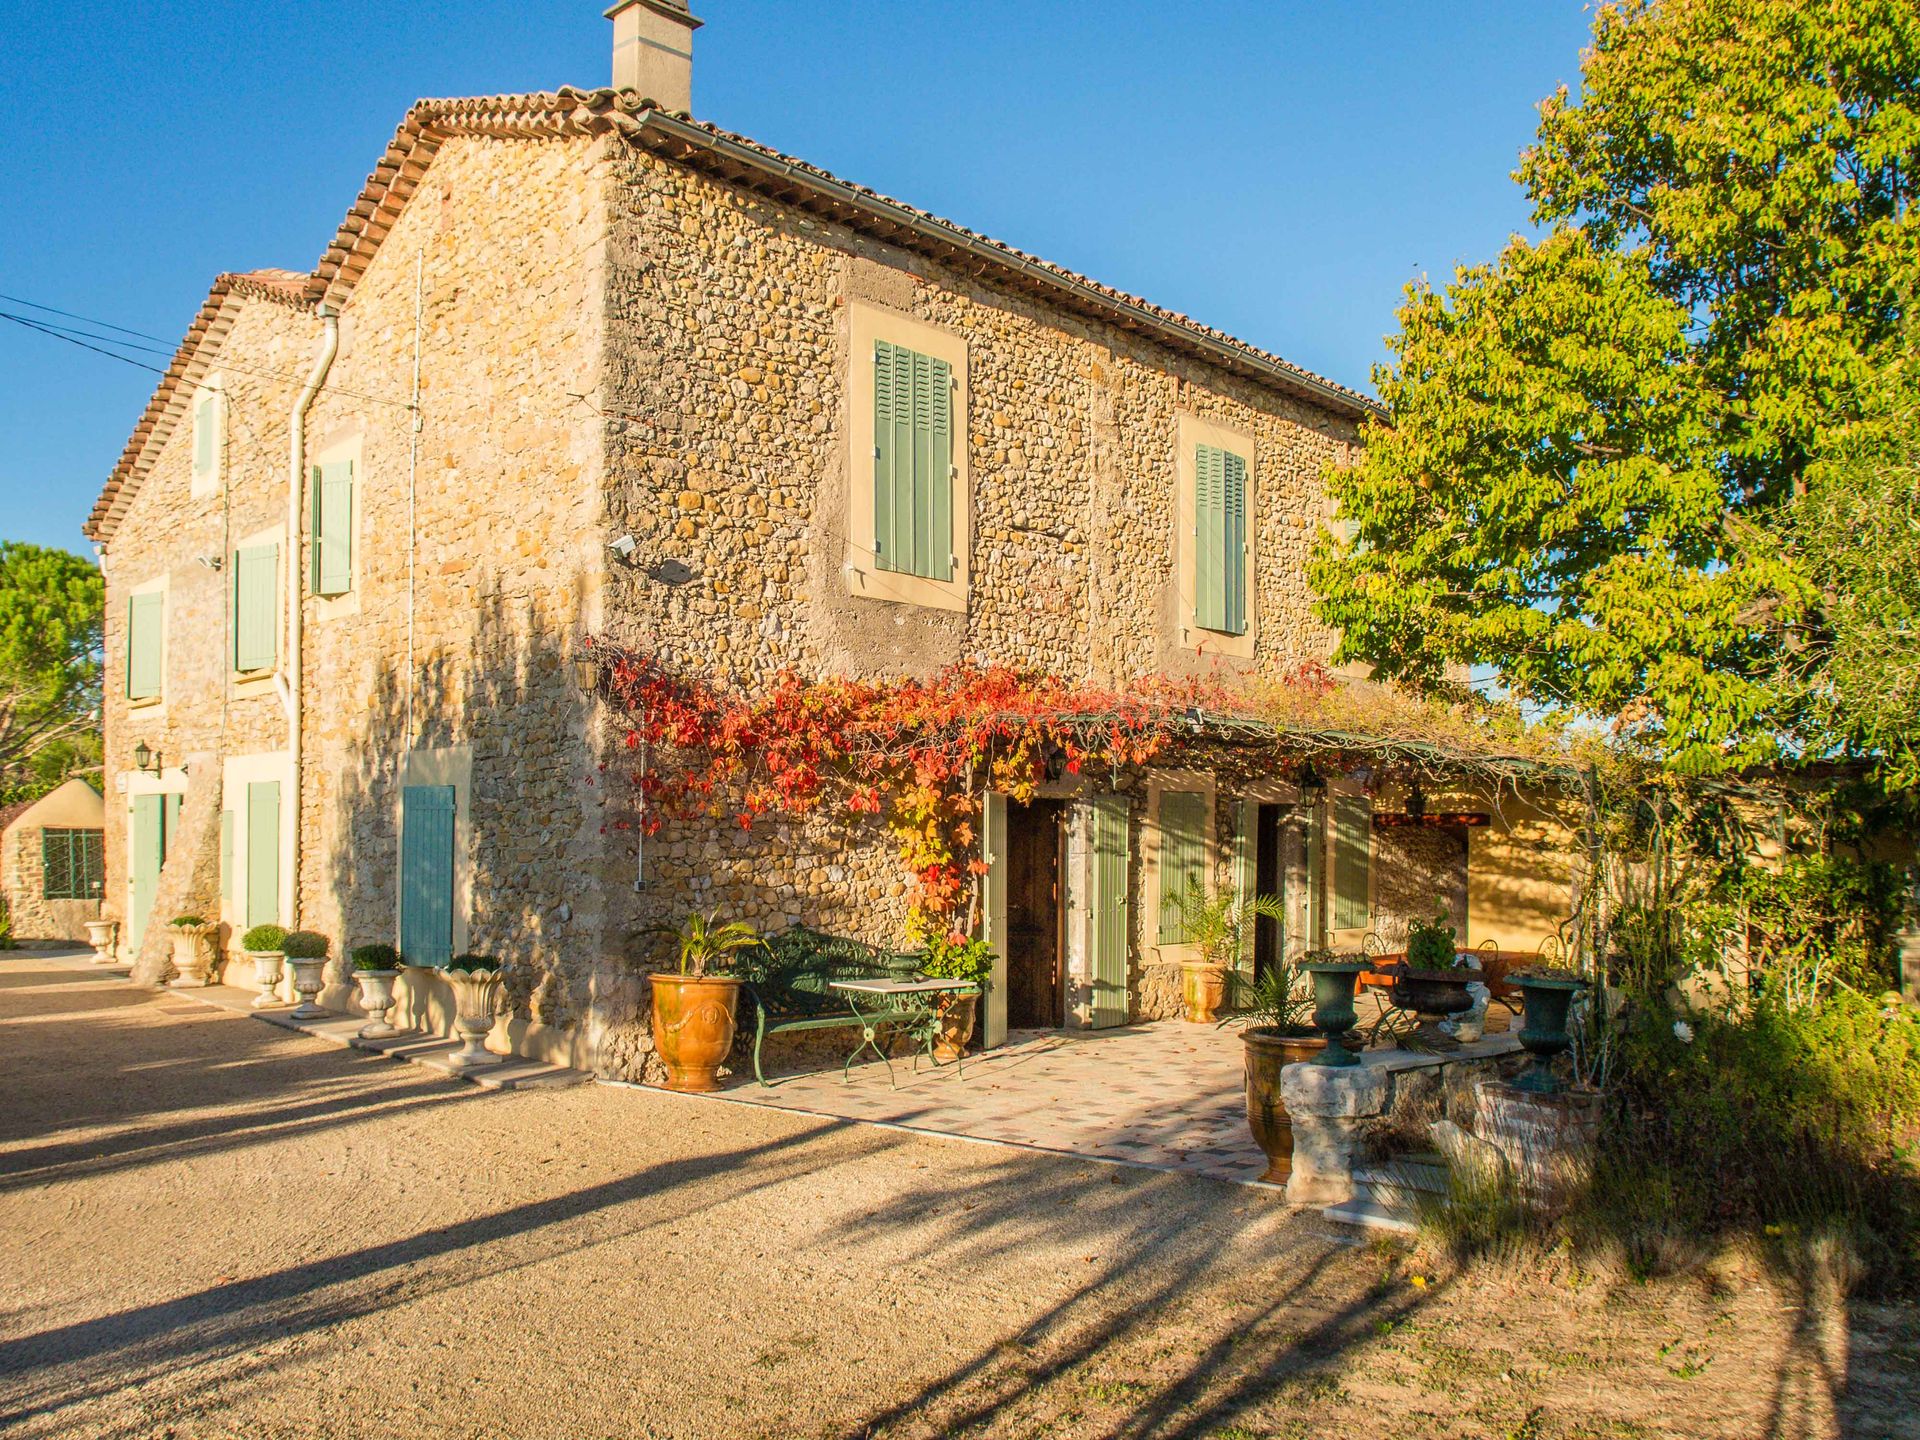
789	981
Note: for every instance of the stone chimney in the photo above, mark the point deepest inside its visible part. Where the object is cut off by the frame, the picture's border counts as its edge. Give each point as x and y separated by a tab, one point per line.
653	50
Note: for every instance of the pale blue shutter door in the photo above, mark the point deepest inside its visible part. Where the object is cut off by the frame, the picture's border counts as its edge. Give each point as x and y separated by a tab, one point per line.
147	824
1107	932
1233	543
333	528
256	575
913	462
1352	858
1209	538
263	853
144	641
1183	850
426	874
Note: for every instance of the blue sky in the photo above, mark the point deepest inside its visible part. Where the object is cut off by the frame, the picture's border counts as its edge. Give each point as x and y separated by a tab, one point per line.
1277	169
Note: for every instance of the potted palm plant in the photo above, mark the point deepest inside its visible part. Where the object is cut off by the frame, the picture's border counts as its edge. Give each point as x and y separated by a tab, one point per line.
192	940
476	991
1277	1032
1217	927
694	1008
262	945
375	968
954	956
306	952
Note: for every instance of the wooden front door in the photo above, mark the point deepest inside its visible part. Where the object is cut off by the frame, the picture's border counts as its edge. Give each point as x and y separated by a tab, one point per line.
1034	991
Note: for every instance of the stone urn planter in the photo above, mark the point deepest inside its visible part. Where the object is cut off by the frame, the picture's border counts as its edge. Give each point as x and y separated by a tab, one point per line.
267	965
376	968
1433	996
693	1021
1545	999
1333	1011
1267	1052
1203	992
192	942
306	955
957	1014
101	935
476	993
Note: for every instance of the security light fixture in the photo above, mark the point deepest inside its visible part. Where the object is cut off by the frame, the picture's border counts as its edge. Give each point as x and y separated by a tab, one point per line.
624	546
212	562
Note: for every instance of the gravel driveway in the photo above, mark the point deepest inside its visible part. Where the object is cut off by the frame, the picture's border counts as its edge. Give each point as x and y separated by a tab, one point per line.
211	1226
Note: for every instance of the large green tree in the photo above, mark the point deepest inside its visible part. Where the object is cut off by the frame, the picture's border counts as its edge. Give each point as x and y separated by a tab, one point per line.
1594	437
50	636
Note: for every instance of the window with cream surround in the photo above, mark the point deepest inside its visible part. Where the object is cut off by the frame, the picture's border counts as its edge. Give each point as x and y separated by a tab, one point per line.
146	644
1217	607
908	487
209	422
255	570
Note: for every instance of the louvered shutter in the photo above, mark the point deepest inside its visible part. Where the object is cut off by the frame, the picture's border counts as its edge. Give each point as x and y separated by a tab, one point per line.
1183	849
426	874
256	573
206	434
263	853
333	528
913	462
1209	531
1108	941
1233	544
226	854
145	616
1352	859
145	861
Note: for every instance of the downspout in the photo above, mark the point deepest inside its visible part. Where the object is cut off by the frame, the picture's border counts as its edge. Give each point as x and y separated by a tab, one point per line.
296	510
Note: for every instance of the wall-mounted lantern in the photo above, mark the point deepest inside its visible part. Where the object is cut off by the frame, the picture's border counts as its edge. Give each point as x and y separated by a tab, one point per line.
144	759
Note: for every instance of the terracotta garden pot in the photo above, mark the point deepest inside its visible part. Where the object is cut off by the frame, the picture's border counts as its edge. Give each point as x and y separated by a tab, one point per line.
956	1027
693	1018
1203	989
1267	1052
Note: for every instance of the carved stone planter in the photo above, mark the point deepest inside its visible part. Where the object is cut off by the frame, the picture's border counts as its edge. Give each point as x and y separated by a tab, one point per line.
101	935
376	998
192	955
266	974
475	994
309	977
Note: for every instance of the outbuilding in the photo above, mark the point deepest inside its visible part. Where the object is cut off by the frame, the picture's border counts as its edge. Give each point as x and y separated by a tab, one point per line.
53	862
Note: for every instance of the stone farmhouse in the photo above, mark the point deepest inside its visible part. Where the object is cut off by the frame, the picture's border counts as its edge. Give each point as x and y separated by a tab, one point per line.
576	364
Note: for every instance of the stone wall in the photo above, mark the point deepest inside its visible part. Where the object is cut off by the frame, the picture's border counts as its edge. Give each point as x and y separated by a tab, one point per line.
30	915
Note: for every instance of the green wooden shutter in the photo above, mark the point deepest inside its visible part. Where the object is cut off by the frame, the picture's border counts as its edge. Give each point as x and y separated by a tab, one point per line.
263	853
1183	854
1246	820
256	616
1107	933
912	462
206	436
426	874
1315	820
145	638
333	528
226	855
1209	530
1233	543
1352	857
144	865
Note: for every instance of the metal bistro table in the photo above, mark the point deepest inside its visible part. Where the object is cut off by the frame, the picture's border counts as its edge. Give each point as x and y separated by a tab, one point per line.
913	1005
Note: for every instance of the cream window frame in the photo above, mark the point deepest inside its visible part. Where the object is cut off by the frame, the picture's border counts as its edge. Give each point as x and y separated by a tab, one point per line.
1191	432
341	445
150	707
867	325
199	486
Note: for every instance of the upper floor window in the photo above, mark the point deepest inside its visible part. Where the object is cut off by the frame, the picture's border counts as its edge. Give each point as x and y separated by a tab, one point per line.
333	528
209	436
1220	540
908	499
256	608
146	644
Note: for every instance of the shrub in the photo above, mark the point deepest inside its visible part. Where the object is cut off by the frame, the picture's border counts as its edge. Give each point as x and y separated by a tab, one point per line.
375	957
305	945
952	956
187	922
1433	945
474	963
262	939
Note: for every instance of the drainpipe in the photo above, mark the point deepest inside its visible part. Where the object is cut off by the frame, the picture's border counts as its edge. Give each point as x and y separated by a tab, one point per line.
296	511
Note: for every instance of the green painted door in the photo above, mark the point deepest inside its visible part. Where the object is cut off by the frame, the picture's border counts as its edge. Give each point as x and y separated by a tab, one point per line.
426	874
1107	932
263	853
148	843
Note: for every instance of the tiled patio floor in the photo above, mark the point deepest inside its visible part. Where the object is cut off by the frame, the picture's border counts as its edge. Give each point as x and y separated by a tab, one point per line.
1167	1095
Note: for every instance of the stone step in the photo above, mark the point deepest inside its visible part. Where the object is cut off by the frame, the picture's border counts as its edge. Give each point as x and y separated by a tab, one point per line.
1364	1212
1403	1176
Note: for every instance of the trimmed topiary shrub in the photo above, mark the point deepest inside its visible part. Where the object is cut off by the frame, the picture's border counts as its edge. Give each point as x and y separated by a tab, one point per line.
376	957
305	945
474	962
264	939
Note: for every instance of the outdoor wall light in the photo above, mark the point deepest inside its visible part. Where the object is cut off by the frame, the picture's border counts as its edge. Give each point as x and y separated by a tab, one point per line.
624	546
212	562
586	674
1312	785
145	759
1416	802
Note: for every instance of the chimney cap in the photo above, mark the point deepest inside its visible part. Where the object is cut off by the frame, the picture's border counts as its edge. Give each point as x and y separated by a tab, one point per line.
672	9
